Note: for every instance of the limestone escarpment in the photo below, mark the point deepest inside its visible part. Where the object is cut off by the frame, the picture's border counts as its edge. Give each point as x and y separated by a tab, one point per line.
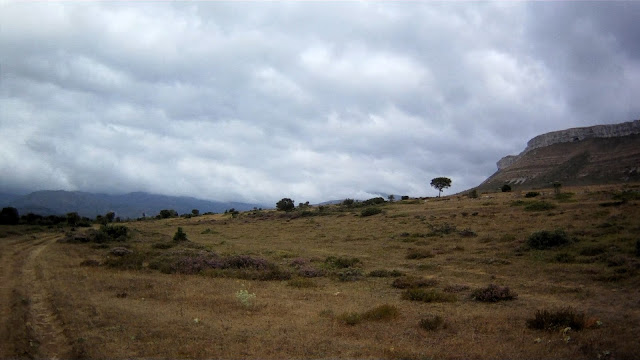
573	135
581	156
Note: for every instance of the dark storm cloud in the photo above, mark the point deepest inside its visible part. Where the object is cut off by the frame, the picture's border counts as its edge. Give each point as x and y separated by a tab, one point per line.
315	101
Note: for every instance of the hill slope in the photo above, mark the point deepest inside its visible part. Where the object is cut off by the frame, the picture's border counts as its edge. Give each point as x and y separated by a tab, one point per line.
132	205
605	154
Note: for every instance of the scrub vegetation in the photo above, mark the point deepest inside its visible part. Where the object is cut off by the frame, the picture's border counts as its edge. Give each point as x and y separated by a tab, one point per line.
498	275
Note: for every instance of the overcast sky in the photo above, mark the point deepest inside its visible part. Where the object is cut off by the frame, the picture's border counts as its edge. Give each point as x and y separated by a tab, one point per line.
256	101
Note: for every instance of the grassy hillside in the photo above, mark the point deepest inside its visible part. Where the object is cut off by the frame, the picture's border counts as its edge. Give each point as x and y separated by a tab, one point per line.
438	278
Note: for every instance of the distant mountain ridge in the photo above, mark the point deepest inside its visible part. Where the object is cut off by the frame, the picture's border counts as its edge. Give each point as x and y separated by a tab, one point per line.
603	154
132	205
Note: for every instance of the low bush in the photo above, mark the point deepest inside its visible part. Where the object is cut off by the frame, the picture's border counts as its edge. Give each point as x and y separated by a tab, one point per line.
370	211
593	250
505	188
539	206
432	323
408	282
455	288
131	261
442	229
349	274
467	233
557	319
414	254
493	293
564	258
385	273
564	196
531	194
341	262
302	283
547	239
417	294
162	246
379	313
309	272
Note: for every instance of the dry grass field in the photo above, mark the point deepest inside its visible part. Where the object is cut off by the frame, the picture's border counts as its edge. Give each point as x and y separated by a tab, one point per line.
405	283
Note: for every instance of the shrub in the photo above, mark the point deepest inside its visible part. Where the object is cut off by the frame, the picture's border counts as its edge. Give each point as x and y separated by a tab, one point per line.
505	188
547	239
385	273
351	319
374	201
456	288
593	250
132	261
415	254
349	274
467	233
531	194
432	323
310	272
553	320
180	235
381	313
539	206
341	262
115	232
442	229
417	294
285	204
473	194
409	282
564	258
162	246
301	283
638	248
564	196
348	202
370	211
493	293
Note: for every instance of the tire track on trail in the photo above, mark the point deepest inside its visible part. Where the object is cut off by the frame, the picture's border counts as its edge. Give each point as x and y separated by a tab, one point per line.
31	328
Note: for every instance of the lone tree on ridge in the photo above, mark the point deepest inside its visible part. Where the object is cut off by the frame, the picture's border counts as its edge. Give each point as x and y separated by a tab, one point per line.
440	183
285	204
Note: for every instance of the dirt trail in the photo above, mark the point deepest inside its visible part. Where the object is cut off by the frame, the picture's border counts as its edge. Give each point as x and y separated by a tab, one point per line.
29	325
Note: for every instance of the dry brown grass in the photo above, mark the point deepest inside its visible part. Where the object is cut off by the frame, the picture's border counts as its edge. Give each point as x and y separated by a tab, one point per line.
98	312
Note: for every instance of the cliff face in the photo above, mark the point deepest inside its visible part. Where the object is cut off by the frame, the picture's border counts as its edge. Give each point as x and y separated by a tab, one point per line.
573	135
581	156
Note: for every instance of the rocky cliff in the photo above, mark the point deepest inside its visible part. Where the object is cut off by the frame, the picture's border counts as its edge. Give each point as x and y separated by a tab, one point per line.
581	156
573	135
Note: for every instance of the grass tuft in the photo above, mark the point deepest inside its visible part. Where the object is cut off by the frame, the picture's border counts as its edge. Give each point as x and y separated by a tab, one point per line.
432	323
553	320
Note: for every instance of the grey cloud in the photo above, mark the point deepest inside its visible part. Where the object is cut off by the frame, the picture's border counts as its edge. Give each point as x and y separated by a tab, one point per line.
238	101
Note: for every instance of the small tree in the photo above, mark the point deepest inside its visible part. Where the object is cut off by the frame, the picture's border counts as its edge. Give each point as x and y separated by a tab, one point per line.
73	218
440	183
110	216
556	187
9	216
391	198
195	212
180	235
285	204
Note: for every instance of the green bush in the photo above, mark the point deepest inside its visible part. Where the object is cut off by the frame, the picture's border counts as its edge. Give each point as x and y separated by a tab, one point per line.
531	194
180	235
417	294
341	262
415	254
410	282
547	239
370	211
493	293
285	204
553	320
349	274
115	232
132	261
505	188
385	273
539	206
379	313
432	323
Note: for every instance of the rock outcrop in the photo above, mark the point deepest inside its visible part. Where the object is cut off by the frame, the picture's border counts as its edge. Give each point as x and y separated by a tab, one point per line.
580	156
573	135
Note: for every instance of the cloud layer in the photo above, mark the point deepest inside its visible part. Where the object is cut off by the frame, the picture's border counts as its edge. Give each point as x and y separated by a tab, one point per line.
255	101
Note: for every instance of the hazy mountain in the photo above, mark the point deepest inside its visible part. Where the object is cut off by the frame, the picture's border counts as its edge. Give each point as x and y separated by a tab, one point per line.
132	205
